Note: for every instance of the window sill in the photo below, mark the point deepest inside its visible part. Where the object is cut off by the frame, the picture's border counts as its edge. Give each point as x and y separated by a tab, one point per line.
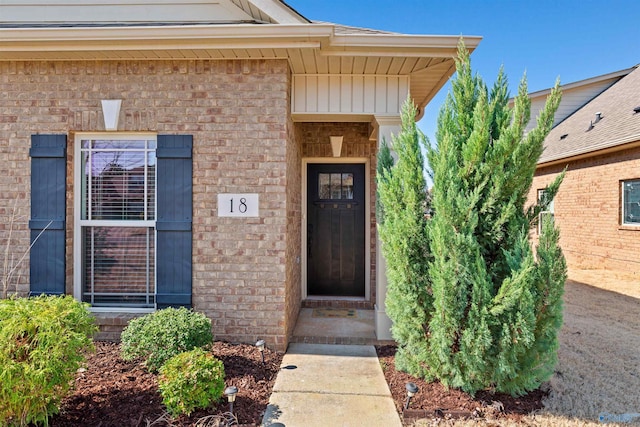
629	227
123	310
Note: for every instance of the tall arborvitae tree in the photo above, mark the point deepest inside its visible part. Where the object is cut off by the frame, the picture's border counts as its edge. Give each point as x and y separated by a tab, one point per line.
497	307
472	305
383	169
403	231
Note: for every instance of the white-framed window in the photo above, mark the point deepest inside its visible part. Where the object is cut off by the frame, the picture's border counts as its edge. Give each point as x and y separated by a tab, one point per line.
549	213
115	220
630	202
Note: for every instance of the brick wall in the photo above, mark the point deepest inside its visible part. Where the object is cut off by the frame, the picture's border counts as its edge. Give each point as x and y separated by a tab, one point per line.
293	289
238	114
356	143
587	211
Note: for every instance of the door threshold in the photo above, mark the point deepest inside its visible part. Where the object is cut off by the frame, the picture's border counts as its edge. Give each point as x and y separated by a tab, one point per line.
337	302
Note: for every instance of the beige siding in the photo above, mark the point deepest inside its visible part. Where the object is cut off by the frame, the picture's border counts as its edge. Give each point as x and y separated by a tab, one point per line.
52	11
572	101
349	94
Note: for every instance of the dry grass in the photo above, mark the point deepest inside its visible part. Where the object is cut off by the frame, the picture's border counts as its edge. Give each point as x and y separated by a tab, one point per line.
616	281
599	360
599	356
532	421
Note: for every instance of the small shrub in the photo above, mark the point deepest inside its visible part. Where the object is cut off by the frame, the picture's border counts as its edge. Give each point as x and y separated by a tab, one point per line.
43	341
191	380
163	334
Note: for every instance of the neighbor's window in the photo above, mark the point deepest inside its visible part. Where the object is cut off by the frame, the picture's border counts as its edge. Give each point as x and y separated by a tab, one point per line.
335	186
631	202
549	213
117	221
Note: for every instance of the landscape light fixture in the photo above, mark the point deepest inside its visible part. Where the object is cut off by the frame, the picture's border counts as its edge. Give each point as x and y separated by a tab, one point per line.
260	345
231	392
412	389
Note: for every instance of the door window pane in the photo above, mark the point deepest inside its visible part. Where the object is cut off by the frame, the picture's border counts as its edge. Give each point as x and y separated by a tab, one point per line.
324	186
347	186
335	186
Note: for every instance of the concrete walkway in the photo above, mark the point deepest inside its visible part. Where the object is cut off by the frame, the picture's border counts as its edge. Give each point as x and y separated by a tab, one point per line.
331	385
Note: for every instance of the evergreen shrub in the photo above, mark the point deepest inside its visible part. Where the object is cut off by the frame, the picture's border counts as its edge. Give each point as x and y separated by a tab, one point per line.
158	336
472	303
191	380
43	342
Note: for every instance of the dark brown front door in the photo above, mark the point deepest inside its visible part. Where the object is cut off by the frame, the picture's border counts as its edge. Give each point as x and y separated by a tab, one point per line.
335	229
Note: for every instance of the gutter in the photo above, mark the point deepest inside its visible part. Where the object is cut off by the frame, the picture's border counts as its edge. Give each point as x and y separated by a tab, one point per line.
621	145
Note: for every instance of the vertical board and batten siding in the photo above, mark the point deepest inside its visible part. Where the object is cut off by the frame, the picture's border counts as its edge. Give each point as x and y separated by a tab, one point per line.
349	94
173	224
48	210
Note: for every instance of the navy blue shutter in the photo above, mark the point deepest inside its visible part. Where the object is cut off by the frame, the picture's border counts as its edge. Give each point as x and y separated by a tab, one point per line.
48	209
173	222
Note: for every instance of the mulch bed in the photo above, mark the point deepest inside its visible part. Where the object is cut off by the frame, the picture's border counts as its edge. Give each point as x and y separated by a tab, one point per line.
435	401
112	392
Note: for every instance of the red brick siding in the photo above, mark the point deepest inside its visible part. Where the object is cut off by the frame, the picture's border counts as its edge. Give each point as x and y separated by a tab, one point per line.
587	211
238	113
293	285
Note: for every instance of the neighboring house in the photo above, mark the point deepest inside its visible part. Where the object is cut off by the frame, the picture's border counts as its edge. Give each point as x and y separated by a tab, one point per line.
219	155
598	206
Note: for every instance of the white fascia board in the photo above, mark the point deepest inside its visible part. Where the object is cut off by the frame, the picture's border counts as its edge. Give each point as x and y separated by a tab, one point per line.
397	45
169	32
609	76
405	40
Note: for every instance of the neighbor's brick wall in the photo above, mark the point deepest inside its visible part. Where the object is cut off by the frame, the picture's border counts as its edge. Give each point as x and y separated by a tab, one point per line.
356	143
587	211
237	112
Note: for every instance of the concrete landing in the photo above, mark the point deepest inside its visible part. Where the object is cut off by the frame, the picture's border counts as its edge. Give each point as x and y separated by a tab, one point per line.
331	385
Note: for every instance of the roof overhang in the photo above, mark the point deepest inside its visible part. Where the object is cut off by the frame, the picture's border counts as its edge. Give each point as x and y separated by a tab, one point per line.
16	42
615	146
309	48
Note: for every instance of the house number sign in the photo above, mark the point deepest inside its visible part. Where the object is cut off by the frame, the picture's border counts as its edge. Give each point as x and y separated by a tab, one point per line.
238	205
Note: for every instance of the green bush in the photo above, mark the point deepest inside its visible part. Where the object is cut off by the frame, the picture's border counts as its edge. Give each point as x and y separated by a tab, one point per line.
472	303
163	334
191	380
43	341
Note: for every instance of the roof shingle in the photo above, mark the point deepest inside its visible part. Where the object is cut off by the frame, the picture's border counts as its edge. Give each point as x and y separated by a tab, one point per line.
619	124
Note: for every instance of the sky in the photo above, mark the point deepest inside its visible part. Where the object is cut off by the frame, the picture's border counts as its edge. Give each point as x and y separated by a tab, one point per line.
567	39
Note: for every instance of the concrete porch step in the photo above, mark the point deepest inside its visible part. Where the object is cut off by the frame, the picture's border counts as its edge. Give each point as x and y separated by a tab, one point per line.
355	330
